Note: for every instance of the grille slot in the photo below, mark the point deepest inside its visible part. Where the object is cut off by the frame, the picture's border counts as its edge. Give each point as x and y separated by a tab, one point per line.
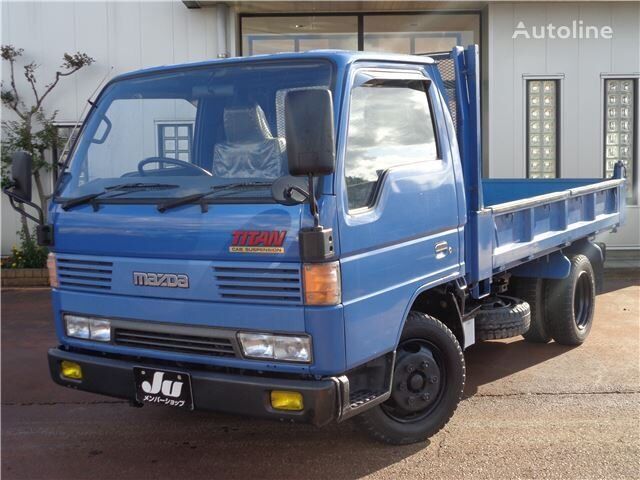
277	284
84	274
219	347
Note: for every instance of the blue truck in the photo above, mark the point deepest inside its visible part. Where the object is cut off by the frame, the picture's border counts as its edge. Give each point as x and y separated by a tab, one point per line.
308	238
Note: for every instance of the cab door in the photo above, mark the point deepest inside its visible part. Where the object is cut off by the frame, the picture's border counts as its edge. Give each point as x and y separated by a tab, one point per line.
398	212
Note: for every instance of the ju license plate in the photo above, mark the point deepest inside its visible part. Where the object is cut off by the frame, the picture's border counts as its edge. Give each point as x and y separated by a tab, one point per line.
163	387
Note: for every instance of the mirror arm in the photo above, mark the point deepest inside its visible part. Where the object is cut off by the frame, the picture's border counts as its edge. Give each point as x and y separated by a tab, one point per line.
44	232
313	203
295	188
13	198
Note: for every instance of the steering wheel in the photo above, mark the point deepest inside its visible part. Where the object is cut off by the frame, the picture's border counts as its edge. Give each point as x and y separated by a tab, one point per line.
172	161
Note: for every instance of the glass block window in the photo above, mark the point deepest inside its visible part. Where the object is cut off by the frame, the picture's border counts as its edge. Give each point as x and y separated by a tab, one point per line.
174	140
542	128
619	145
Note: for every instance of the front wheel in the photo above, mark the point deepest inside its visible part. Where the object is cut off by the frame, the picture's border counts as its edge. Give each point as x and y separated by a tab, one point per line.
428	381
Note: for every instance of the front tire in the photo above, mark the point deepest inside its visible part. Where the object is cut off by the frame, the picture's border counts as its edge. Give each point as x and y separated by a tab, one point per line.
571	302
427	384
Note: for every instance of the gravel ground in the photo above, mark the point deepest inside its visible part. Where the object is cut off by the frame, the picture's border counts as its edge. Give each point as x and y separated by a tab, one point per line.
530	411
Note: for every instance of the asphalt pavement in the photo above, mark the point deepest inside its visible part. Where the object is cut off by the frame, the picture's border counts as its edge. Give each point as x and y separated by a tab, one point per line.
530	411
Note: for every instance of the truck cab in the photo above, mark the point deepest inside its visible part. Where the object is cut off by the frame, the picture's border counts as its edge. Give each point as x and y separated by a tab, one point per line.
299	237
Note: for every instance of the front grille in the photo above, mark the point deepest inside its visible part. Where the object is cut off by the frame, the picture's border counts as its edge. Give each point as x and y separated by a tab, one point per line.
82	273
201	345
278	283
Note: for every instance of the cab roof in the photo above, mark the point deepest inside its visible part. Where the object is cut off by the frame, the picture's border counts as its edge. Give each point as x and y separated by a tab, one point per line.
339	57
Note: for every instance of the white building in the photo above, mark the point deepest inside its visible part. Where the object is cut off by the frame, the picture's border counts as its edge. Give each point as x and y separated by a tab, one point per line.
582	50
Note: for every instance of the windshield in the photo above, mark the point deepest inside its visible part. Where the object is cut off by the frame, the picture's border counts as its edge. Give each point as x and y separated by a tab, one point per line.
191	129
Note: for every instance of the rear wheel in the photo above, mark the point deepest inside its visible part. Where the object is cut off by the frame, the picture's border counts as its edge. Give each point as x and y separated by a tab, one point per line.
571	302
532	291
428	381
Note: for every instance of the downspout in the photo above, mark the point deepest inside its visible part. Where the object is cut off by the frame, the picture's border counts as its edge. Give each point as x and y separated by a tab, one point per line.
222	13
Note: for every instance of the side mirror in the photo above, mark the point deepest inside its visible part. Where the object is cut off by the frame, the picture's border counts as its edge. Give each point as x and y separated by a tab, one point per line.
308	115
21	163
290	190
309	132
19	192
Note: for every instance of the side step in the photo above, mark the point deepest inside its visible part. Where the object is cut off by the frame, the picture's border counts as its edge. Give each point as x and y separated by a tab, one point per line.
352	403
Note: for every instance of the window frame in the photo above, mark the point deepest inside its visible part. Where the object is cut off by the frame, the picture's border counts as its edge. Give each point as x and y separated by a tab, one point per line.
559	79
632	200
381	74
161	124
59	155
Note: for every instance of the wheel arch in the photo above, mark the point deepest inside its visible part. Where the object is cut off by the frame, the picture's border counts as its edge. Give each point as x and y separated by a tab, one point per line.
596	253
445	302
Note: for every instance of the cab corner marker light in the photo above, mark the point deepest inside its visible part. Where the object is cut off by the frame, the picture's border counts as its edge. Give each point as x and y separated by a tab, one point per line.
71	370
53	270
321	283
284	400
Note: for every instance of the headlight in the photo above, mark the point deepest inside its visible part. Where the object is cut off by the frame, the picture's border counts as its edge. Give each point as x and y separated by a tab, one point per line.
276	347
77	327
98	329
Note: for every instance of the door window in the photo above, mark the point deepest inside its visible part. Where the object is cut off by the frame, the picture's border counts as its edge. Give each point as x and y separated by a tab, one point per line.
390	124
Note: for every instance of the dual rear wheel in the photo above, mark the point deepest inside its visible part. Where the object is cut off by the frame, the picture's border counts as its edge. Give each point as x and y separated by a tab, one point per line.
429	372
562	309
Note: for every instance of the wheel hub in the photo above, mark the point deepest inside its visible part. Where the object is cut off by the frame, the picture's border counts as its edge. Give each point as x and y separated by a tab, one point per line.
416	381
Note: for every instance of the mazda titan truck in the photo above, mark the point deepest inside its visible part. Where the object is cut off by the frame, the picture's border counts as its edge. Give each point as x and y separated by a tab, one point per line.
307	237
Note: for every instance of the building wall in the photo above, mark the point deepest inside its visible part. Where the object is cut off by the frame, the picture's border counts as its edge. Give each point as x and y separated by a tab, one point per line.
582	62
124	36
121	36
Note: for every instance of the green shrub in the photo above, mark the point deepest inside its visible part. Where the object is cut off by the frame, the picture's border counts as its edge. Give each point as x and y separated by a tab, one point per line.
28	254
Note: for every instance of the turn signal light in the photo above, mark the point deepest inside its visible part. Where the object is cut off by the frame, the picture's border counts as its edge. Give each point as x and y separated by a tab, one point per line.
53	270
71	370
283	400
322	283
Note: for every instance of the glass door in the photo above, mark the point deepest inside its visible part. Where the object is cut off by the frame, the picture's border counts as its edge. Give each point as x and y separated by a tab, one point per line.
293	33
412	33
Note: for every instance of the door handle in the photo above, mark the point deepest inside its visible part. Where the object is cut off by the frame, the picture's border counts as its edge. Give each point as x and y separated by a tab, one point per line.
442	249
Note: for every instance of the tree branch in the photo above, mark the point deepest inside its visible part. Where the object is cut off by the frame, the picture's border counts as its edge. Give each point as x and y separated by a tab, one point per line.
71	64
30	75
12	62
53	84
12	100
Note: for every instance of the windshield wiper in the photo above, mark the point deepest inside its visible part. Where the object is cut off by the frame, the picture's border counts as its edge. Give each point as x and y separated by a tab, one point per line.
164	206
122	188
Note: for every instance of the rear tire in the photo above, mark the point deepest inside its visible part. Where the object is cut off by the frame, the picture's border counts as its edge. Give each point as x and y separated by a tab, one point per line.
532	291
571	302
427	384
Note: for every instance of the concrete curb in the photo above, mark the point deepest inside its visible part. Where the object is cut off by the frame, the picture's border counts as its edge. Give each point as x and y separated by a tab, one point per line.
25	277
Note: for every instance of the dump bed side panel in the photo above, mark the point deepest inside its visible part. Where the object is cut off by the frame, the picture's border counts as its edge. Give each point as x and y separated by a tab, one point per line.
534	226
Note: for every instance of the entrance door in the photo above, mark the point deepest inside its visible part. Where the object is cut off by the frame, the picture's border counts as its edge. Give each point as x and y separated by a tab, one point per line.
412	33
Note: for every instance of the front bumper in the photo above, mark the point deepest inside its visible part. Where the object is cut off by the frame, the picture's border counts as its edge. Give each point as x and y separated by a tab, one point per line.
221	392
